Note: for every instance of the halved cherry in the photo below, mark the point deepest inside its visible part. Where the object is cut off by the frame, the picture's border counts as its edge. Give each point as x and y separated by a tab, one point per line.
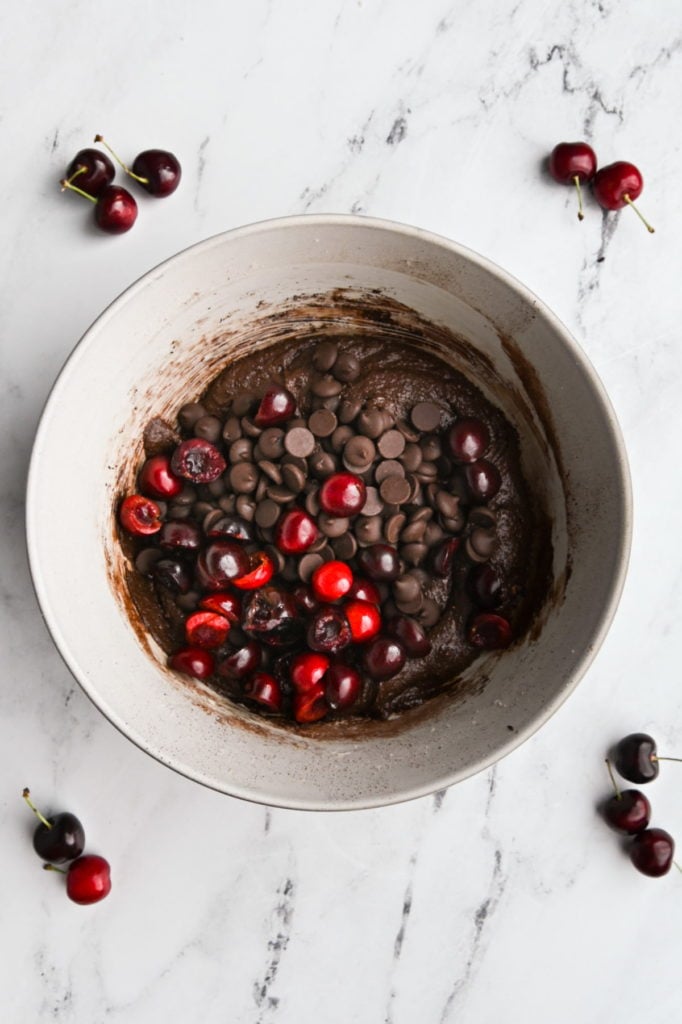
311	705
261	571
364	590
265	690
276	406
223	603
197	460
307	670
140	516
157	479
364	619
342	686
332	580
193	661
489	631
305	599
295	532
206	629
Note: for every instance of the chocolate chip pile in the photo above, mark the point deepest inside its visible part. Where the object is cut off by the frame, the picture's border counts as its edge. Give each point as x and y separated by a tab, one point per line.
302	547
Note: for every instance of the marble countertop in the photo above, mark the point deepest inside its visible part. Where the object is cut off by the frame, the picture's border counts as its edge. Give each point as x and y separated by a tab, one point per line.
504	898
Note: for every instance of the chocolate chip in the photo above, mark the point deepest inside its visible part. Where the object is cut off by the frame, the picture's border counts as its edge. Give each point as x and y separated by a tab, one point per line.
368	530
325	355
393	527
431	447
276	556
481	544
240	450
322	464
179	511
429	614
188	602
271	443
412	607
346	367
426	472
209	428
359	453
308	564
422	514
395	489
312	503
281	495
241	404
408	431
250	428
426	416
345	547
272	471
267	513
414	553
481	516
373	503
406	588
189	414
348	409
433	534
326	386
447	505
413	532
340	436
319	544
294	478
370	422
331	404
243	477
290	570
216	487
299	441
391	444
322	423
332	526
147	559
212	517
293	460
388	467
411	457
227	503
453	525
246	507
187	496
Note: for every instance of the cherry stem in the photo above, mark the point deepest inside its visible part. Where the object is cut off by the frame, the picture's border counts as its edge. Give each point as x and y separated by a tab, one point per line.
645	222
81	169
576	181
66	183
612	777
655	757
52	867
143	181
27	797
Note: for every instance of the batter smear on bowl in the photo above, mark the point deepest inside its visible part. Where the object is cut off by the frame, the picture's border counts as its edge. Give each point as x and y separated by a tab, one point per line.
334	528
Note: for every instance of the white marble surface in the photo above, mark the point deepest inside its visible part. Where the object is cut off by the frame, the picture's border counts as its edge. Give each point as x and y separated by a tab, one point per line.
504	899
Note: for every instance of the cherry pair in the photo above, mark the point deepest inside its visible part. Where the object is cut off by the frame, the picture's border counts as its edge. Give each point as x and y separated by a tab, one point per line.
629	811
157	170
61	838
614	186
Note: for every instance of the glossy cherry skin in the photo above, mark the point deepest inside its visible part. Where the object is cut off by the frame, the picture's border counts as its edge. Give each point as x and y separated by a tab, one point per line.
242	662
332	580
444	556
410	634
307	670
342	494
198	460
614	182
115	210
628	812
571	160
232	526
305	599
329	630
265	690
380	562
88	879
483	478
364	620
261	571
276	406
364	590
161	170
64	841
225	604
468	440
490	632
652	852
157	479
310	705
485	586
180	535
221	563
172	574
635	757
270	615
295	532
140	516
91	170
383	658
193	661
206	629
342	686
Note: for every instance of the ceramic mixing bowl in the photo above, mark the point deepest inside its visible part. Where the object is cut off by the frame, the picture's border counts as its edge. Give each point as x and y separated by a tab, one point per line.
159	344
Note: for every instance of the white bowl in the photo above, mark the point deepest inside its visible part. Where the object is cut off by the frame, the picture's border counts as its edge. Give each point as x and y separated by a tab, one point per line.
159	344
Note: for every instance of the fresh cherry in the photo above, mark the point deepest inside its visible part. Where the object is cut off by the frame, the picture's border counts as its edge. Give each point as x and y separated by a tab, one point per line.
295	532
180	535
571	163
485	586
342	494
652	852
265	690
271	616
206	629
380	562
261	571
307	670
157	479
57	838
115	208
383	658
305	599
242	662
277	405
342	686
157	170
310	705
627	811
232	526
444	556
329	630
92	169
364	619
483	478
193	661
332	580
618	185
223	603
88	879
364	590
140	516
636	758
410	634
172	574
221	563
489	631
468	440
198	460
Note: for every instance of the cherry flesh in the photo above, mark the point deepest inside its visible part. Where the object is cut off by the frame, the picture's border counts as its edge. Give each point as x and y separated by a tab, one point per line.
157	479
627	811
276	406
635	758
329	630
343	494
140	516
571	163
206	629
383	658
490	632
307	670
88	879
57	838
271	616
311	705
242	662
261	571
295	532
264	689
332	580
652	852
618	185
193	661
223	603
198	460
380	562
468	440
92	171
410	634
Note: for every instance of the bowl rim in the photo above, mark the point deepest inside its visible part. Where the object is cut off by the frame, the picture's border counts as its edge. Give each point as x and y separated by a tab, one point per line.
622	554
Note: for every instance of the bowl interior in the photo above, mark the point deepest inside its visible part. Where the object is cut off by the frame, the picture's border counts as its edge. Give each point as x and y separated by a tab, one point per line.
164	339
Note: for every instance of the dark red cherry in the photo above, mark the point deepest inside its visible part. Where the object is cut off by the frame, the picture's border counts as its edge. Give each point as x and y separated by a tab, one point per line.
571	163
270	615
91	170
380	562
206	629
485	586
410	634
468	440
483	478
88	879
329	630
652	852
490	632
223	603
242	662
332	580
307	670
157	479
264	689
172	574
220	563
364	590
58	837
364	619
261	571
140	516
295	532
342	685
311	705
305	599
180	535
618	185
628	811
342	494
383	658
635	757
193	661
232	526
444	556
276	406
115	208
158	171
197	460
